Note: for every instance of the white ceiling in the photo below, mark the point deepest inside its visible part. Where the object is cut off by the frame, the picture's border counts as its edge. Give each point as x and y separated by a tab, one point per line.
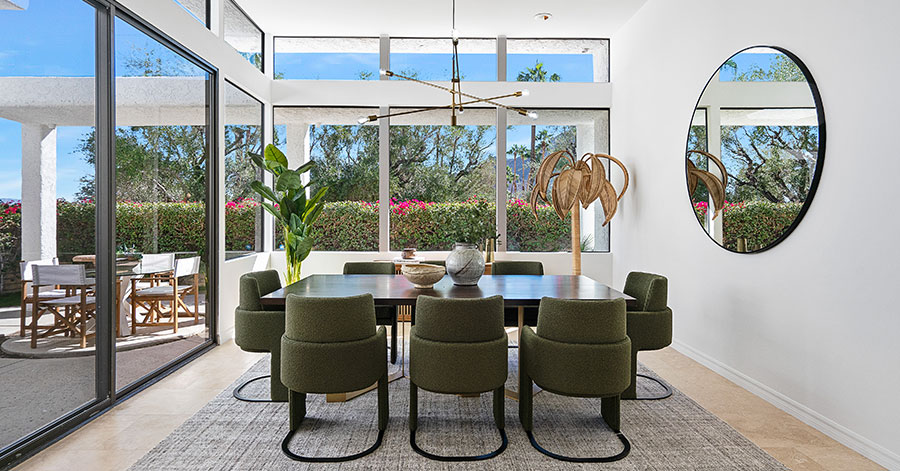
431	18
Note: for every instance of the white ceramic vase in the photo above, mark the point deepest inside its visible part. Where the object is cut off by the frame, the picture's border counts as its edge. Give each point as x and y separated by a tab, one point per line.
465	264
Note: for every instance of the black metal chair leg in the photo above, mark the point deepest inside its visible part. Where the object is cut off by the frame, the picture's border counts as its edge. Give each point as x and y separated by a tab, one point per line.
415	447
237	391
572	459
326	459
663	395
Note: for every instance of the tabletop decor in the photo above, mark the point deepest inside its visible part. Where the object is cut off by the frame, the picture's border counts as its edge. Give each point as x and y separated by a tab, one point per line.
581	180
422	275
714	184
465	264
290	206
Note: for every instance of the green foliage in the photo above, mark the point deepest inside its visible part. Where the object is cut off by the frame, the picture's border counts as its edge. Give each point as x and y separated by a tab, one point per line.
547	233
288	204
761	222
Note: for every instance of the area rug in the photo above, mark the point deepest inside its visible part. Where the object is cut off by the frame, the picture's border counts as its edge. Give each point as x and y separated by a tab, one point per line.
670	434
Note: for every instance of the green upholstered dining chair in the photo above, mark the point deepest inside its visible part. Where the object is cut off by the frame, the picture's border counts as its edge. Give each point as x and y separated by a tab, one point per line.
330	345
580	349
518	267
257	329
384	315
458	346
649	325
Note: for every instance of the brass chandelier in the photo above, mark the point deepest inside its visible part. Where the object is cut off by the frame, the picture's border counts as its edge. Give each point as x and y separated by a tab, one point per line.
458	99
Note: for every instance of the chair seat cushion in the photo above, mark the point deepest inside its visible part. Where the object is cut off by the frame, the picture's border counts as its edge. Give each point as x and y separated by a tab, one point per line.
49	294
162	290
69	301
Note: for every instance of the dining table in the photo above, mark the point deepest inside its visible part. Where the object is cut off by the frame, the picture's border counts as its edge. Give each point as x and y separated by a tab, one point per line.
518	291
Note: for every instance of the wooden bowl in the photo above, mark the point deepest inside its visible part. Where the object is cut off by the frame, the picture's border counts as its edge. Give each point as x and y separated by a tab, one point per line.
423	275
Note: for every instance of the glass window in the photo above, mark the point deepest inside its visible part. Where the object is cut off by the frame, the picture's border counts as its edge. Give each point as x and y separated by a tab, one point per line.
243	136
431	59
326	58
162	157
442	178
47	209
197	9
346	157
761	64
243	34
557	60
528	142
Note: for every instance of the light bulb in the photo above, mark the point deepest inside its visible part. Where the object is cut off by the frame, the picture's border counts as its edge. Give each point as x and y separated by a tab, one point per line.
454	33
532	115
382	72
362	120
525	92
461	110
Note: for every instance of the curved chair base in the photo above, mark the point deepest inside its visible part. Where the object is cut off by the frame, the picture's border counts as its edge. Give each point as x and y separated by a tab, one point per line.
571	459
326	459
412	442
663	395
237	391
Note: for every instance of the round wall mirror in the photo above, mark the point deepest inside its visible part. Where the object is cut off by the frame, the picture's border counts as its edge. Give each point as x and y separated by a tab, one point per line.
755	149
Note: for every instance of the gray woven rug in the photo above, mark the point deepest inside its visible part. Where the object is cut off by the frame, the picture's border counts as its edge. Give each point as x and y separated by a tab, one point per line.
671	434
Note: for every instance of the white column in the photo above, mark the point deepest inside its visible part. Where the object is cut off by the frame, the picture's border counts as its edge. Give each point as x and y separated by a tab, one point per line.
297	147
38	191
500	183
714	144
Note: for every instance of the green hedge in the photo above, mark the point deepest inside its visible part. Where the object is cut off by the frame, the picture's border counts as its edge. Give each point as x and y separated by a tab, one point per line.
347	226
761	222
353	225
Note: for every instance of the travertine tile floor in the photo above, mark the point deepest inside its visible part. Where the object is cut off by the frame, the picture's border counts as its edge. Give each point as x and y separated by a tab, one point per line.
120	437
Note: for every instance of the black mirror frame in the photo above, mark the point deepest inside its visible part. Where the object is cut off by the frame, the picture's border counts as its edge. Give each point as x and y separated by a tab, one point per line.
820	158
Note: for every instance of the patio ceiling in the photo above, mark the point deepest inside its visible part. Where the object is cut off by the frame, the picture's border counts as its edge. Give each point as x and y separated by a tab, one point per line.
431	18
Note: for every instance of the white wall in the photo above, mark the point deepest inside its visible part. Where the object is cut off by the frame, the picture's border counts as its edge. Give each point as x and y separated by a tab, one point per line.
810	325
229	289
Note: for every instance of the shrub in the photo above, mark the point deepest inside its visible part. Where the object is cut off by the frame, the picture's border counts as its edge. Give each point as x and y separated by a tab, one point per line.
761	222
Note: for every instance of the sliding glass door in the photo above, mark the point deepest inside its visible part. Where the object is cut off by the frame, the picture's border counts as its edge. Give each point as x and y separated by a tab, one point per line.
47	213
107	243
162	185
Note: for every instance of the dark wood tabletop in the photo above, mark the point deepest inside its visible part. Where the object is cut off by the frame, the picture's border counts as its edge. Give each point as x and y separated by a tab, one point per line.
395	290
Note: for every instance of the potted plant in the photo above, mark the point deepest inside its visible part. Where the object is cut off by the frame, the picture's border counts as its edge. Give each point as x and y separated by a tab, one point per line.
292	209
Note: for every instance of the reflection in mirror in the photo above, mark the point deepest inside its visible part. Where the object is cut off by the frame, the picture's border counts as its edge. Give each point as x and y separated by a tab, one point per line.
760	116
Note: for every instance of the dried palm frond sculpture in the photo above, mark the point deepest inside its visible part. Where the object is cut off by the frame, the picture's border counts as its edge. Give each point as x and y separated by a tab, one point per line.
714	184
581	181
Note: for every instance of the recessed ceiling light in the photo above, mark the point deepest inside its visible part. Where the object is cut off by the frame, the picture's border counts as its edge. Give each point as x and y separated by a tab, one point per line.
542	16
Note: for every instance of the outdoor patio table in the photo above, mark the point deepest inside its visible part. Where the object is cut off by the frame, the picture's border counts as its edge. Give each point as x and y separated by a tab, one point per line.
518	291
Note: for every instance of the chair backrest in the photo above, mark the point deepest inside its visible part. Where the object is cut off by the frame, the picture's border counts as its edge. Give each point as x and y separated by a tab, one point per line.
369	268
582	321
459	320
187	266
25	270
49	275
156	262
516	267
324	320
255	285
650	290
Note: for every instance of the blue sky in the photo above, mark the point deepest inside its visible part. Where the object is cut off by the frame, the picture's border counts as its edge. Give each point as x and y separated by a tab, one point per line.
746	61
474	67
64	48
